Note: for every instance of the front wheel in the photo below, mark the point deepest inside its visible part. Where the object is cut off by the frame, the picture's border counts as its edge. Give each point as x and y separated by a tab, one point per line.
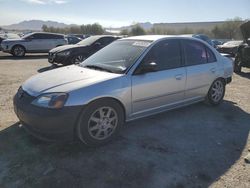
78	59
216	92
100	122
18	51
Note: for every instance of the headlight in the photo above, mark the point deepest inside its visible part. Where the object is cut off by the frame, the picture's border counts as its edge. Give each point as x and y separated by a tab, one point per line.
51	100
64	53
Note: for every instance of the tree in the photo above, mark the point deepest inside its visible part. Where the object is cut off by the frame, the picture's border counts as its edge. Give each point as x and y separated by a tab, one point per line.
45	28
228	30
137	30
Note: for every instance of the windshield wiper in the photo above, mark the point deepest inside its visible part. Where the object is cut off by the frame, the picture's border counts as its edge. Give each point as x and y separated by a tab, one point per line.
98	68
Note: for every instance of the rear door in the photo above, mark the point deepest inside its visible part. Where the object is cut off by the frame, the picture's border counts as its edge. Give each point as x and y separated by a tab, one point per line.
201	67
162	88
50	41
33	43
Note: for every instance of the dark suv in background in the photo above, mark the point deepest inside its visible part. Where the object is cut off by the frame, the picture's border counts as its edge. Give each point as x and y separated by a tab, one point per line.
74	54
242	58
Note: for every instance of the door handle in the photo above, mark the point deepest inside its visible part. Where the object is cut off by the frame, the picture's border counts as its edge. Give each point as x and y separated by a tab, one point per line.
178	77
213	70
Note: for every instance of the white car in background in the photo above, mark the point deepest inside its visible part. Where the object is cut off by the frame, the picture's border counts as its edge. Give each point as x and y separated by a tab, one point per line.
38	42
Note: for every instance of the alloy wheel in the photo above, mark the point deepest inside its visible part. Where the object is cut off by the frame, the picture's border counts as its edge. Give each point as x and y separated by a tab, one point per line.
102	123
79	59
18	51
217	91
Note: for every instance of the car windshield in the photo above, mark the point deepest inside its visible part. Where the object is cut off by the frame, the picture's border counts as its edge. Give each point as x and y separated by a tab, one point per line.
116	57
88	41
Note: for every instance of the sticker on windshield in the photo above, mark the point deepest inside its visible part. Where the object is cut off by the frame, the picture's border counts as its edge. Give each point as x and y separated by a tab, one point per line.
141	43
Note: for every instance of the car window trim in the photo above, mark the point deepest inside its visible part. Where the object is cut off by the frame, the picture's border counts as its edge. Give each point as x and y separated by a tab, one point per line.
205	47
150	48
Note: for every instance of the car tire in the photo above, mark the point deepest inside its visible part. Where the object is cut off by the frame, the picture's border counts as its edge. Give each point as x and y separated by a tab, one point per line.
18	51
78	59
216	92
237	64
100	122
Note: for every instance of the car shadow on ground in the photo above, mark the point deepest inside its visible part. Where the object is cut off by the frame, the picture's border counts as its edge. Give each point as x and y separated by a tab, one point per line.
27	56
51	67
188	147
244	74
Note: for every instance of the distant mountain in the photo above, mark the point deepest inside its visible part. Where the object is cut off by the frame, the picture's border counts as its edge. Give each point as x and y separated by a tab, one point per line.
191	25
34	25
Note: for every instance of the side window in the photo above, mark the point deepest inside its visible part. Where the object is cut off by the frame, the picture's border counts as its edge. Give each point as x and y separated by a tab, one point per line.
56	36
166	54
195	53
38	36
34	36
210	56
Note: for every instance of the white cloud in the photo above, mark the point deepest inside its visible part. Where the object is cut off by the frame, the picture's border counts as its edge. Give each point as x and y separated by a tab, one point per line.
44	2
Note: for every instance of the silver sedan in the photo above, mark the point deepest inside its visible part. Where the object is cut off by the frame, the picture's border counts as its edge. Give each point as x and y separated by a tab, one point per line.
129	79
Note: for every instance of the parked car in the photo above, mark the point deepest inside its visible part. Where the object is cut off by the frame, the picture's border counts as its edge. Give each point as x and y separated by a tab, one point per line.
1	39
81	36
75	54
229	47
37	42
242	58
216	43
204	38
4	36
73	39
201	37
130	78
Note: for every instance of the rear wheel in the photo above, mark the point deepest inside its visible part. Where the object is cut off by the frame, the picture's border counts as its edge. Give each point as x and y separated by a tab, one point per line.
100	122
216	92
18	51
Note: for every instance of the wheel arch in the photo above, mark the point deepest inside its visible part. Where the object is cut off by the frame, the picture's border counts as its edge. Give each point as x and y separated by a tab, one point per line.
18	45
110	98
223	79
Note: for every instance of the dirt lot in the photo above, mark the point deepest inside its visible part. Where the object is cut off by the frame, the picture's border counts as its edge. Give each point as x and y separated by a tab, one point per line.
196	146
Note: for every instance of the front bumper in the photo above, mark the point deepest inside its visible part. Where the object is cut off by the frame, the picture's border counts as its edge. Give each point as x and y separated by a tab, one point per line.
5	48
54	58
44	123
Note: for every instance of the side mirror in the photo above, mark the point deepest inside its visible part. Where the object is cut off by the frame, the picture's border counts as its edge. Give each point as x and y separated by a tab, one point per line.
148	67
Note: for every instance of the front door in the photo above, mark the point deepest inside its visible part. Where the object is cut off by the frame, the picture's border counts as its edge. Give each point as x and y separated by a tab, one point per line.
165	87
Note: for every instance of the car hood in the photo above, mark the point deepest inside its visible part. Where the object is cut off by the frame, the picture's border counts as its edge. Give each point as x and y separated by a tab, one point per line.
65	79
66	47
13	40
245	29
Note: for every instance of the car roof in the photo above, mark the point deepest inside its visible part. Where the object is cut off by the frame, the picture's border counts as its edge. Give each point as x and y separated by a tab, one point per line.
157	37
47	33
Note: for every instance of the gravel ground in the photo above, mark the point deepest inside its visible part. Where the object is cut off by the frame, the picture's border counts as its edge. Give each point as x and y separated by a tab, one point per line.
196	146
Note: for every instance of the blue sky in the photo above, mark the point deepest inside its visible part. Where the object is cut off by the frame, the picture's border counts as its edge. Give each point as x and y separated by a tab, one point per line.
114	13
